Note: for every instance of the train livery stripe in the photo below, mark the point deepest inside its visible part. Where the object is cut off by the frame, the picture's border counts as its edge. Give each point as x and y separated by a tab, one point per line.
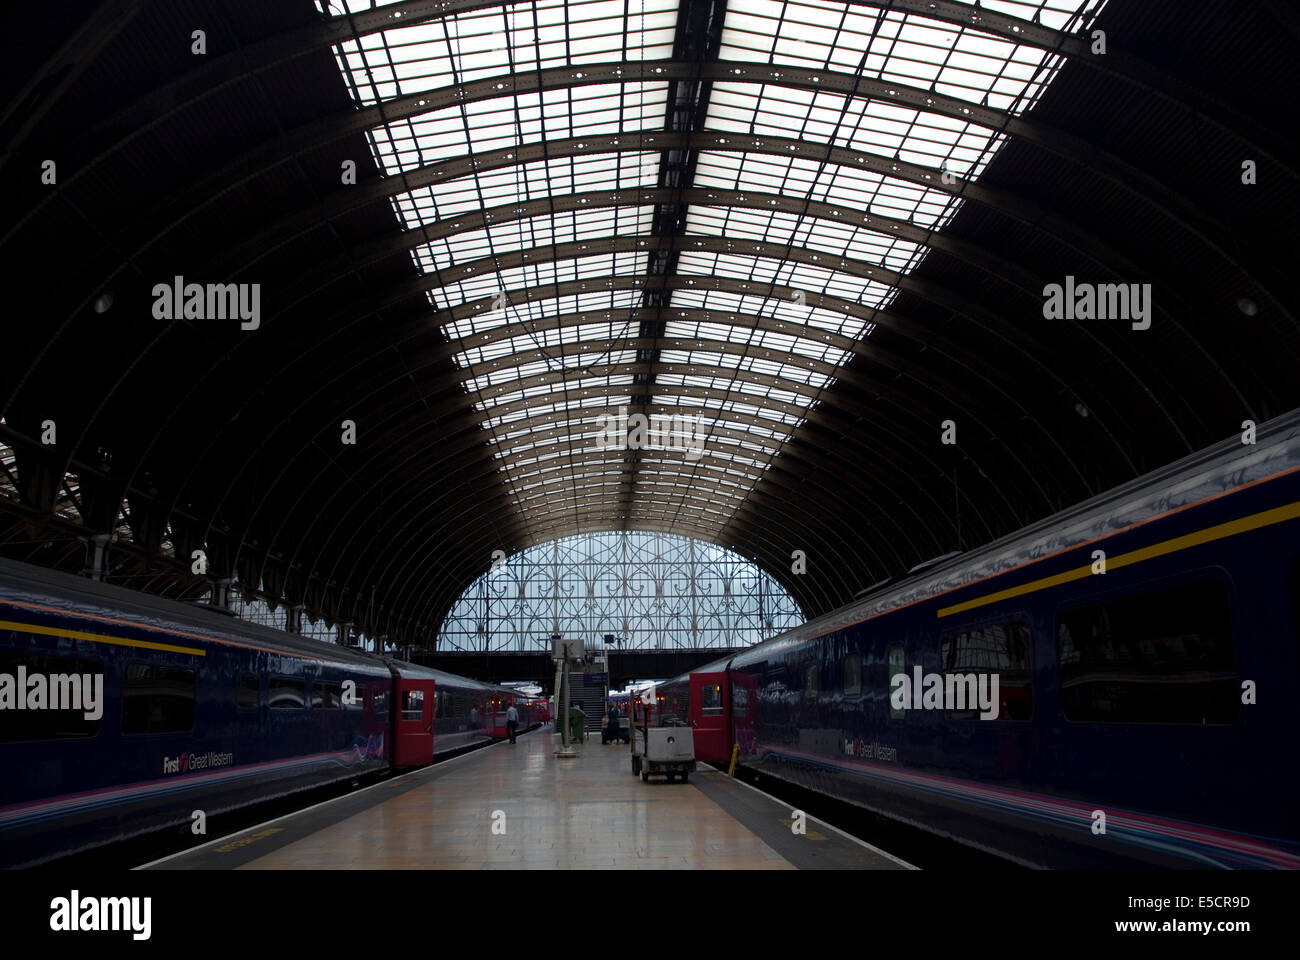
1256	521
220	641
98	638
110	797
1204	845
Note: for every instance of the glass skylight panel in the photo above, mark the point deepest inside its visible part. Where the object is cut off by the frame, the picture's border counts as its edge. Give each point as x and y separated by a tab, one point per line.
750	363
760	339
561	403
844	185
803	232
471	45
576	429
956	60
739	406
766	272
528	181
544	339
486	286
730	307
611	303
765	437
510	120
732	386
1054	14
553	363
871	126
747	402
532	233
543	477
554	392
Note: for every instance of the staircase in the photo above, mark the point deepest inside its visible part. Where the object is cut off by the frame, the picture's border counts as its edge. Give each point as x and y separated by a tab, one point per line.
591	697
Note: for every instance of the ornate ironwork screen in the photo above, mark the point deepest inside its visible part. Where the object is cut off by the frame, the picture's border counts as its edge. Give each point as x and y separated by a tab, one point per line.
649	590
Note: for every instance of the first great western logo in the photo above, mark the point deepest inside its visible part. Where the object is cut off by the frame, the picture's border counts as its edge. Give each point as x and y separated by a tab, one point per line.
190	762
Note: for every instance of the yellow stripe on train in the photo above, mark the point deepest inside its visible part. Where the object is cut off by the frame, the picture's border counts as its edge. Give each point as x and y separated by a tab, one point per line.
98	638
1233	527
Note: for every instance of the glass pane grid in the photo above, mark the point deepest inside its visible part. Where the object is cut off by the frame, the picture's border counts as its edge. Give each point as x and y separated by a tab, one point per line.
472	45
533	233
609	304
528	181
773	377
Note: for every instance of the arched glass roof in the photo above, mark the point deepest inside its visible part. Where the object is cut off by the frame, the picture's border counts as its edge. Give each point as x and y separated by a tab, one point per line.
641	229
646	590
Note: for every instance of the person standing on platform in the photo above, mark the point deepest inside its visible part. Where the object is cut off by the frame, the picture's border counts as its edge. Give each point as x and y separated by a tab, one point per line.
512	722
612	726
576	719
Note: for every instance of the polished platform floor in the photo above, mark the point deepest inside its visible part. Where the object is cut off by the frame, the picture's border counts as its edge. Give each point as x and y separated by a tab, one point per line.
512	806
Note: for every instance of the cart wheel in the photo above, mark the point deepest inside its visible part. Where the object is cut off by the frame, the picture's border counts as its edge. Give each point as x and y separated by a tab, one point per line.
645	775
636	766
684	777
670	777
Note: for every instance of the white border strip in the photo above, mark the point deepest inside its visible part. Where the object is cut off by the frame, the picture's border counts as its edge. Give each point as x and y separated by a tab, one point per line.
847	836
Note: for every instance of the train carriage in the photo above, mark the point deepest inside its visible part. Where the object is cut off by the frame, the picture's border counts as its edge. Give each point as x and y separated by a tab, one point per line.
702	698
1144	647
122	713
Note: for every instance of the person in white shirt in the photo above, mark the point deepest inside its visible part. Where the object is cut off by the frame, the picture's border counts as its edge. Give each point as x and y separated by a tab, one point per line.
512	722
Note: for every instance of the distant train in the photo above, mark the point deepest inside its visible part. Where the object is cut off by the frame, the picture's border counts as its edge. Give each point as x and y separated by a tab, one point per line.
1145	650
122	713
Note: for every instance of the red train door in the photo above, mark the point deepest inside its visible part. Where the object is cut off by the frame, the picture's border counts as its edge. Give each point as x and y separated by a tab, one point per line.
413	737
709	717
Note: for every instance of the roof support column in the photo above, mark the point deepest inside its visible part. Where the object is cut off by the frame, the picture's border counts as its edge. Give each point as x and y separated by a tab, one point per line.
221	593
97	554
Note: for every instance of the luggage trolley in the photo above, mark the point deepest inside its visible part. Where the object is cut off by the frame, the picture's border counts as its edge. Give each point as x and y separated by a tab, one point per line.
660	745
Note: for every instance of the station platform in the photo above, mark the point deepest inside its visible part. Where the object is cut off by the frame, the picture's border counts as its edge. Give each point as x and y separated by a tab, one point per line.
588	812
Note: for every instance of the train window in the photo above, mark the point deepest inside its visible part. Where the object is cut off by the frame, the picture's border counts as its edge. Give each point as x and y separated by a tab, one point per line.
353	698
71	686
896	666
1159	657
810	680
710	699
248	693
285	693
739	701
381	705
852	676
997	649
326	696
412	704
157	699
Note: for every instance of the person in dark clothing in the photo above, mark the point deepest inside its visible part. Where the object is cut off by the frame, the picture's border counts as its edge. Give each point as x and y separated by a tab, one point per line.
512	722
612	727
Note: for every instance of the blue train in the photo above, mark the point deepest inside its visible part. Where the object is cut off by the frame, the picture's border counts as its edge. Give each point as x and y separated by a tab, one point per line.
1116	686
122	713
